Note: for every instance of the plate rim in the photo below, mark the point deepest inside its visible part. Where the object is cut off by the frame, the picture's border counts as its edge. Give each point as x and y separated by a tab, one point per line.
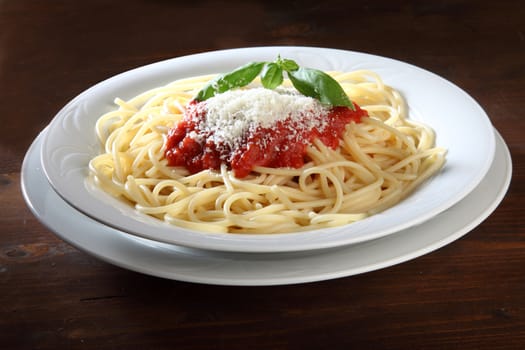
127	245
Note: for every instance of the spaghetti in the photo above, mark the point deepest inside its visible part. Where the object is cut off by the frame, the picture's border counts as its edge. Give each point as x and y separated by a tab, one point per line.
377	163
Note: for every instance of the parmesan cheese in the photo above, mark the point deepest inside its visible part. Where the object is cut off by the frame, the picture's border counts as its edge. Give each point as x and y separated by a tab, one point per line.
230	116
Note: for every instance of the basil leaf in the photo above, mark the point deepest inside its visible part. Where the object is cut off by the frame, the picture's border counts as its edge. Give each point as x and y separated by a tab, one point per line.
310	82
317	84
288	65
237	78
271	75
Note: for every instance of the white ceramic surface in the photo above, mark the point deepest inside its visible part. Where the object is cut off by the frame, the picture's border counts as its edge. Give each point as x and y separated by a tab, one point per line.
230	268
460	123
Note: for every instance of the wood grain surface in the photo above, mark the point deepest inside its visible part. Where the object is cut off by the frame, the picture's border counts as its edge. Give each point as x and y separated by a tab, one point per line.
467	295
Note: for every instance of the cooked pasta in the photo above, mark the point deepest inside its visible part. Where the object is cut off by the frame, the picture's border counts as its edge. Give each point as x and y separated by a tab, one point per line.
379	161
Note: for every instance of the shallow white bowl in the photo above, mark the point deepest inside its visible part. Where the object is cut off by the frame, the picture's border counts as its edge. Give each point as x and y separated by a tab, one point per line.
461	125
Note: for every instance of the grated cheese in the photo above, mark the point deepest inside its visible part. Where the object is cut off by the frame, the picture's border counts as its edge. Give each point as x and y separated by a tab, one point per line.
233	114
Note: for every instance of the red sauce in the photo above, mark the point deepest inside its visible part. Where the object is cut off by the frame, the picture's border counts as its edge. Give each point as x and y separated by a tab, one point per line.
283	145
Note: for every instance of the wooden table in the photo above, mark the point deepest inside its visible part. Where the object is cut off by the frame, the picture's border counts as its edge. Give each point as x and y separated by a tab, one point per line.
467	295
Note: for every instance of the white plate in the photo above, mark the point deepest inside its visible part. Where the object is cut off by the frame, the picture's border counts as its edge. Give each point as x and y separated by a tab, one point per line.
460	124
194	265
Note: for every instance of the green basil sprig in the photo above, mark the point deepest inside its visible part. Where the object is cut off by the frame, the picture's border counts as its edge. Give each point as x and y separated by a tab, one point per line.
310	82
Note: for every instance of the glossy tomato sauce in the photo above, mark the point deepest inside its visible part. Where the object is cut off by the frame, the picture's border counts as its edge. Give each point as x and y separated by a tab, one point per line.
280	146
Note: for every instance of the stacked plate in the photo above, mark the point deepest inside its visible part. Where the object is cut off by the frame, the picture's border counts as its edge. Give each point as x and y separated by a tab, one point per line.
469	188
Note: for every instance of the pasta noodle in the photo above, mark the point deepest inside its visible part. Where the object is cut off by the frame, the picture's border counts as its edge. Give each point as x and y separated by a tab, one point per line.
378	163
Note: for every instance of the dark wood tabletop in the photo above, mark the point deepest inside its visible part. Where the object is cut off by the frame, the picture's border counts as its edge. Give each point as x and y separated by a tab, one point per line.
469	294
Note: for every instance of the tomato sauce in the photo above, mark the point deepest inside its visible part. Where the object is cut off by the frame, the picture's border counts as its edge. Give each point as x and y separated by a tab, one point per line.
281	146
